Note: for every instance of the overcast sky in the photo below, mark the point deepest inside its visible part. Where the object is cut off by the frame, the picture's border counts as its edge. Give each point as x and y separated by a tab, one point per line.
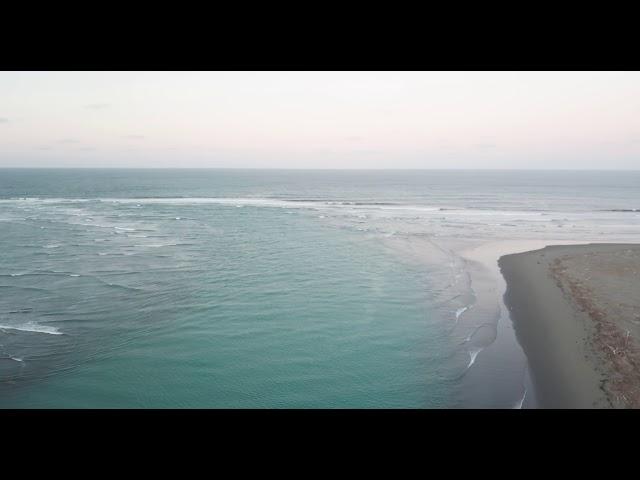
537	120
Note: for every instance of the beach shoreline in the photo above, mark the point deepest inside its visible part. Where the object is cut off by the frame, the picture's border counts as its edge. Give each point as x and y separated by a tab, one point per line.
576	314
501	369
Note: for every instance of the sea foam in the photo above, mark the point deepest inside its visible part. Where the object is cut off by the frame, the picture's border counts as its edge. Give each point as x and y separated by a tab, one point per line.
460	311
33	327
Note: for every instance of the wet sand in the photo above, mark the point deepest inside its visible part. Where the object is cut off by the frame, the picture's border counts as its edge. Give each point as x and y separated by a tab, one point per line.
576	313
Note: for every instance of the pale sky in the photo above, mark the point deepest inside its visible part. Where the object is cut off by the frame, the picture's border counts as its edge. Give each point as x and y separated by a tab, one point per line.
524	120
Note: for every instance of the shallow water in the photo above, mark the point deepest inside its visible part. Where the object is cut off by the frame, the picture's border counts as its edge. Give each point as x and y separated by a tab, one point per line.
223	288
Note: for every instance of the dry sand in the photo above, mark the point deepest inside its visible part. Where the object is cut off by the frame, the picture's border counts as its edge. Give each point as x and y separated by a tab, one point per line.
576	313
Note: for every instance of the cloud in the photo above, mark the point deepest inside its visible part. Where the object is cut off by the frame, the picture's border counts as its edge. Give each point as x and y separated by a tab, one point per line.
485	145
87	149
134	137
44	147
353	138
4	120
367	151
97	106
68	140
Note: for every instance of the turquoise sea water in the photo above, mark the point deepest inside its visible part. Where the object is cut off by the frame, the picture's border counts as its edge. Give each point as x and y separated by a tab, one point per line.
222	288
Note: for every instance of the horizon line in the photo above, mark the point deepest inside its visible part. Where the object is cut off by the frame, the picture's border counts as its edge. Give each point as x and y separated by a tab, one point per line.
324	169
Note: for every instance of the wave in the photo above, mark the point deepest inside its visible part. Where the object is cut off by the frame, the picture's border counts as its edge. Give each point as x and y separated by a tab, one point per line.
232	201
21	310
158	245
264	202
38	273
334	202
313	203
33	327
33	289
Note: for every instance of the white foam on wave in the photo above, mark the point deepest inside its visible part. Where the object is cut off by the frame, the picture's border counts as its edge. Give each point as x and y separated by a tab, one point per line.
33	327
518	405
473	354
460	311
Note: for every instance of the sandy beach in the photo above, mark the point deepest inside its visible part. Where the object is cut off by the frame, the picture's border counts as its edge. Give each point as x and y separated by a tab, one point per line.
576	313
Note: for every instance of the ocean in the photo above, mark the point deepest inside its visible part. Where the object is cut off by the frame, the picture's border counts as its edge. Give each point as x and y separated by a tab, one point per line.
131	288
